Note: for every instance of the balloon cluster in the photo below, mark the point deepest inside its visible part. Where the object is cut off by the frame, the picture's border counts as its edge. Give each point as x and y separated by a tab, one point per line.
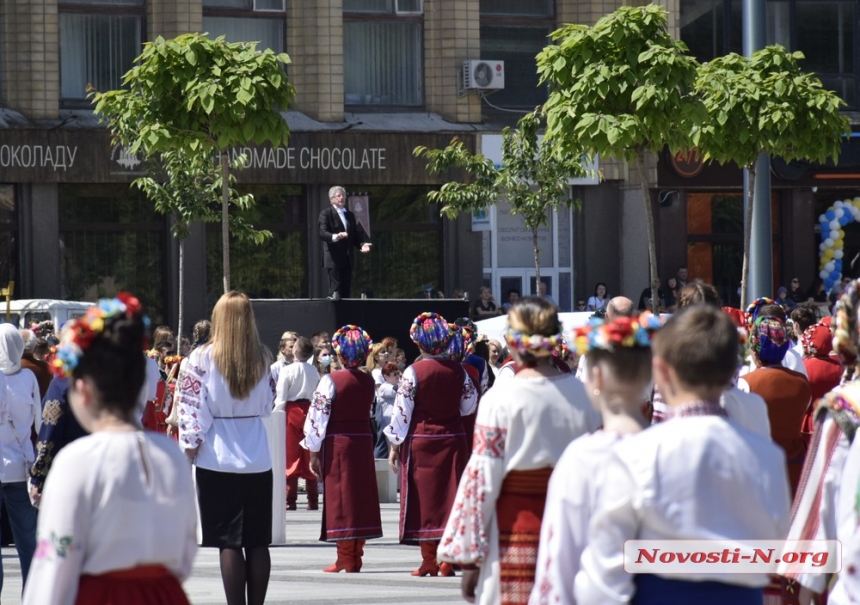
832	238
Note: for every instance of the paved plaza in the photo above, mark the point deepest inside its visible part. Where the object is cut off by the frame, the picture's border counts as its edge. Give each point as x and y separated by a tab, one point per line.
297	575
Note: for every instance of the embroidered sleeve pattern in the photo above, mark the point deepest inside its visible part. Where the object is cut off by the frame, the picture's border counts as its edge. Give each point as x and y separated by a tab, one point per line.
53	419
404	404
319	413
489	441
465	540
195	417
469	398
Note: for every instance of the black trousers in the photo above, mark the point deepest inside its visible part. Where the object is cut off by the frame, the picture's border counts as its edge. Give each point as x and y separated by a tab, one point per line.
340	281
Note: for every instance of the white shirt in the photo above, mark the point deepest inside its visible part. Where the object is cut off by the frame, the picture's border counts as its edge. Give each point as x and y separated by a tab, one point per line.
229	432
792	361
23	411
525	426
683	480
746	409
295	381
112	501
844	522
572	494
404	404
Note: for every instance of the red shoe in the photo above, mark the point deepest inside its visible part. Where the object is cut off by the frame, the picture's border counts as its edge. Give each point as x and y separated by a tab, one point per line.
446	570
345	558
426	569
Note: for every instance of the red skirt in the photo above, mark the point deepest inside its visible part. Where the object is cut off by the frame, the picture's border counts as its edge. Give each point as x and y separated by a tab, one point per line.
143	585
298	458
519	511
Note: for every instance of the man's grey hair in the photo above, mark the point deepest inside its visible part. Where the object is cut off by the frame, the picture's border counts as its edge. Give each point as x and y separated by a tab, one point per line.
30	340
334	190
620	306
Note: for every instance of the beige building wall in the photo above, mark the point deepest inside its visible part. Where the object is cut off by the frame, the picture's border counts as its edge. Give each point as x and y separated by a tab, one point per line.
315	45
452	34
29	33
170	18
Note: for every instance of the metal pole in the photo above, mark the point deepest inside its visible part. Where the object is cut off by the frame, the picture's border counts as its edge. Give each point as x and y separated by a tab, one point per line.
761	244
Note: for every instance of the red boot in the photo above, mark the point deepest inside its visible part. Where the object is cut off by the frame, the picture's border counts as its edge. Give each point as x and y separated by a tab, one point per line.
358	553
345	557
446	570
292	492
429	567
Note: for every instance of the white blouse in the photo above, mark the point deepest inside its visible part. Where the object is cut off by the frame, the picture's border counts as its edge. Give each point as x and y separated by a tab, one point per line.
229	432
525	426
296	381
404	404
112	501
23	411
681	480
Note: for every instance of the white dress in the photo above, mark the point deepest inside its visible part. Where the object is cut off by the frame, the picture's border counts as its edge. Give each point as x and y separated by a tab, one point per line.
23	413
525	426
681	480
573	492
113	500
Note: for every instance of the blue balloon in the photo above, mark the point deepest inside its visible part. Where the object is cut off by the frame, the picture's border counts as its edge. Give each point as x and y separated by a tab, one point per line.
845	219
830	215
828	283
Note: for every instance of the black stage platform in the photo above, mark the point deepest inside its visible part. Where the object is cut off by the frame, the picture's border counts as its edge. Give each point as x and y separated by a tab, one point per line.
380	317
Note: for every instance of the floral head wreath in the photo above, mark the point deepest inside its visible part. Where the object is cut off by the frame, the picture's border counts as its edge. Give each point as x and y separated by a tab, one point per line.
352	344
430	332
768	339
752	312
846	339
456	344
531	346
619	333
78	336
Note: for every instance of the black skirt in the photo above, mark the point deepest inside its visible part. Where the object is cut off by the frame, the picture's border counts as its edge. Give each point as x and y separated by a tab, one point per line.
235	508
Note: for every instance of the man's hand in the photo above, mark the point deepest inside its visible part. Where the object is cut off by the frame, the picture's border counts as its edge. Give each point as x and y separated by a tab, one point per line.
192	453
394	458
468	583
35	496
342	235
365	248
316	465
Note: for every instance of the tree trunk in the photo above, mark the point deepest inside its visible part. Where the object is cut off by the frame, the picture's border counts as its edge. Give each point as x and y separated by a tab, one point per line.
179	331
652	237
537	259
225	217
745	272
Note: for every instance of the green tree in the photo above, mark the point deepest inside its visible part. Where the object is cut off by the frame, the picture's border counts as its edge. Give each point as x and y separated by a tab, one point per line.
187	187
765	104
620	89
532	178
197	95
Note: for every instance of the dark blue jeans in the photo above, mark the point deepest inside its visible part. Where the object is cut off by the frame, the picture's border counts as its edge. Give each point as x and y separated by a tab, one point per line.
22	518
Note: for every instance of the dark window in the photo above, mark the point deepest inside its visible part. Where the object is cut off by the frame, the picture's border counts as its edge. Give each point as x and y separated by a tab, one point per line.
111	239
261	21
8	237
274	269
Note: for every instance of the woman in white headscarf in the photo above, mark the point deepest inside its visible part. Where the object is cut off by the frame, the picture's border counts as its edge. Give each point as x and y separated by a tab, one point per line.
22	414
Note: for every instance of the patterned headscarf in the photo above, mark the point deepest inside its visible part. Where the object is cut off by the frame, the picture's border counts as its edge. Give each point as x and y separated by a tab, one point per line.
621	332
817	341
768	339
469	331
846	339
430	332
456	344
352	345
753	311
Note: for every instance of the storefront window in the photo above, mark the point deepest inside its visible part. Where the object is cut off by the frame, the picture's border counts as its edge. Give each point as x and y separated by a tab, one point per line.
278	267
8	236
406	232
111	240
382	54
97	48
715	245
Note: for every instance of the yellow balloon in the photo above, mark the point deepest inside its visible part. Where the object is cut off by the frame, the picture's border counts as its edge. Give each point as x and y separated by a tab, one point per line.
837	244
827	254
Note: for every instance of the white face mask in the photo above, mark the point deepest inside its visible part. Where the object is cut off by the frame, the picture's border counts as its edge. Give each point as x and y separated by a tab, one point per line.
325	360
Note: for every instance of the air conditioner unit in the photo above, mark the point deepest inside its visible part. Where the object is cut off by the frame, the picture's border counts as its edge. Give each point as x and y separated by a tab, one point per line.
482	74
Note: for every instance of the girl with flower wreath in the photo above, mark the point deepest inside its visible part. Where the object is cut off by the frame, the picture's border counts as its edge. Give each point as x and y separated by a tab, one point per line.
520	433
339	437
617	381
428	443
117	519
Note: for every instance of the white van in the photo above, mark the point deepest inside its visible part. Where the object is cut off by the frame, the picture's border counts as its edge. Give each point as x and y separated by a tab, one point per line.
26	312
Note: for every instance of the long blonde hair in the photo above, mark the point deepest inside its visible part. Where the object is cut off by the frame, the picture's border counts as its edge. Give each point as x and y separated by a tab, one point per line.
236	348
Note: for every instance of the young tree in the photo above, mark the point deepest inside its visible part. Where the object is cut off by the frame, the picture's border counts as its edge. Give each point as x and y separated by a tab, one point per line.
620	89
531	178
187	187
765	104
197	95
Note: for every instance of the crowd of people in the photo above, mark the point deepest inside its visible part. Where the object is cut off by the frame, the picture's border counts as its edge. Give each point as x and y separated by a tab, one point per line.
524	465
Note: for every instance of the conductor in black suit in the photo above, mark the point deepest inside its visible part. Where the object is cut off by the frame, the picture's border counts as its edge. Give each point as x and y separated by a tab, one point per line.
341	235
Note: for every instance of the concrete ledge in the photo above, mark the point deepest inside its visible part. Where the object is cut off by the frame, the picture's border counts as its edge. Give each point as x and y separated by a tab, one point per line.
386	482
